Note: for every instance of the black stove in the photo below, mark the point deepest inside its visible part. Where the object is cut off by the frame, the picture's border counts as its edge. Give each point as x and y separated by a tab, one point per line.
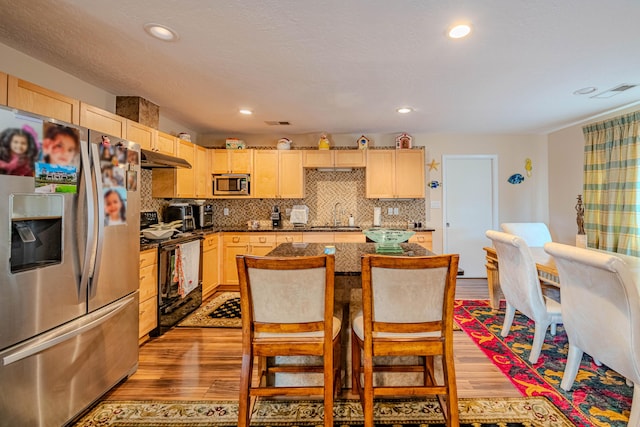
173	305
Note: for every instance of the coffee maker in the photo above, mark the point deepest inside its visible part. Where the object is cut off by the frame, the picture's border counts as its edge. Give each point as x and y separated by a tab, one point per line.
276	218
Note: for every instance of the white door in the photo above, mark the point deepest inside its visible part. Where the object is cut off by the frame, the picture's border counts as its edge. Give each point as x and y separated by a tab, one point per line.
470	207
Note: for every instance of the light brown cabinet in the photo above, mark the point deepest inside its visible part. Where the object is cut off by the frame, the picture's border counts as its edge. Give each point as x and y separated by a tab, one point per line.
277	174
330	237
210	265
288	237
179	182
33	98
423	238
141	134
148	308
202	173
231	161
395	174
165	143
102	121
243	244
334	158
3	88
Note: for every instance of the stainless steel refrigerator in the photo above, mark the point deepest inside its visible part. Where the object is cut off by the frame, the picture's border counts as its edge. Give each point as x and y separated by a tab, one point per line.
69	260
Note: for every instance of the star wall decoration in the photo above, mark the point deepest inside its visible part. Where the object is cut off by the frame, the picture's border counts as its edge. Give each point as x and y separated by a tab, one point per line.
433	165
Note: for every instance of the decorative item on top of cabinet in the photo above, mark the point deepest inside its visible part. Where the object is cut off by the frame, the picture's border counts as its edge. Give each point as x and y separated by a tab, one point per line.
3	88
210	264
277	174
148	309
324	144
395	174
363	142
33	98
403	141
102	121
231	161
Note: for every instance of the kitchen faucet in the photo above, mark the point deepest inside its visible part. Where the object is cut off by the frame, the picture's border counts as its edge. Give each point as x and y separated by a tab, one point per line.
336	221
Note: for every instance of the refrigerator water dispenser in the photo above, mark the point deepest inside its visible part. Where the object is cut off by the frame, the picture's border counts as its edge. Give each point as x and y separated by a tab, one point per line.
36	231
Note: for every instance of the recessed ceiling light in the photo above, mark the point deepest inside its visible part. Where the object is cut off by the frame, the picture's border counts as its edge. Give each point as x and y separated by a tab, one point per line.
161	32
246	111
404	110
585	90
459	31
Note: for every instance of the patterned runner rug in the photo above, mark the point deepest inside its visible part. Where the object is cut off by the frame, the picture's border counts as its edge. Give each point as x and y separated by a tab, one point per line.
222	311
497	412
599	396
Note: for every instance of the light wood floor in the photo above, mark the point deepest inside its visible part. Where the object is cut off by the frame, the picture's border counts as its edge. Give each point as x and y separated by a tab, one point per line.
204	364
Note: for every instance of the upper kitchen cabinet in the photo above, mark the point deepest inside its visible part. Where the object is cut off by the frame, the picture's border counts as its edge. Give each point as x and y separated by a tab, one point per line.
395	174
334	158
165	144
102	121
178	182
36	99
277	174
231	161
202	174
3	88
141	134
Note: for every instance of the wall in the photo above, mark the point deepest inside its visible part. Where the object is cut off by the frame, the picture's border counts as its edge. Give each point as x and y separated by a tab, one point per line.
524	202
566	160
27	68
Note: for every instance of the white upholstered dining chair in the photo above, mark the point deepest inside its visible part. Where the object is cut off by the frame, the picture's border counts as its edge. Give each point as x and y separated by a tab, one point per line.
601	312
534	233
521	288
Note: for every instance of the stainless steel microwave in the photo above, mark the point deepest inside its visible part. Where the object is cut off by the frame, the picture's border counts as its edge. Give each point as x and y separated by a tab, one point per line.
231	184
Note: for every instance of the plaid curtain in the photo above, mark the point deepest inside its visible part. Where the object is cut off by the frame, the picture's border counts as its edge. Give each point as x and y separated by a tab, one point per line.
612	184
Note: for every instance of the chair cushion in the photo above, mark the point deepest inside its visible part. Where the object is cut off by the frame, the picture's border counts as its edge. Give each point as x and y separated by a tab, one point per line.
358	327
289	336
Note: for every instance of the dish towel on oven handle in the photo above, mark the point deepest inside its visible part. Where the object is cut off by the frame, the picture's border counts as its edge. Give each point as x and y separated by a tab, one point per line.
188	266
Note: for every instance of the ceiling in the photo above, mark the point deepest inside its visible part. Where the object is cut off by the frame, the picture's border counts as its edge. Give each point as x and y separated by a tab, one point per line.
344	66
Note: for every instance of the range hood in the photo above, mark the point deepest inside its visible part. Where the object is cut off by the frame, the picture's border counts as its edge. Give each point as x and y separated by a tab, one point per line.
153	159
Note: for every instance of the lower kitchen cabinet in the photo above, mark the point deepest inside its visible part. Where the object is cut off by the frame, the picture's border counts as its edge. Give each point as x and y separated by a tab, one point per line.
210	263
148	309
286	237
243	244
340	237
423	238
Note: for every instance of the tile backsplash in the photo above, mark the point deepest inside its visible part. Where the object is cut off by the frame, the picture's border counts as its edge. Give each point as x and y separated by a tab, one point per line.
323	191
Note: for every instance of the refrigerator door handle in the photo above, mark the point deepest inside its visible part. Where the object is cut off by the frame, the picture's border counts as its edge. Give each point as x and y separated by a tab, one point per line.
39	347
97	217
87	265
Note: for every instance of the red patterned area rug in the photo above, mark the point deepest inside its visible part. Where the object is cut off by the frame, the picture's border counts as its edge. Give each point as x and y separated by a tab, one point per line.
599	396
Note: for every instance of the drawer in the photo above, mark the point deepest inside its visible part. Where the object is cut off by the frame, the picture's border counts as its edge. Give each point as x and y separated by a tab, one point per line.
349	238
235	238
262	237
288	237
148	282
148	257
316	237
210	242
148	316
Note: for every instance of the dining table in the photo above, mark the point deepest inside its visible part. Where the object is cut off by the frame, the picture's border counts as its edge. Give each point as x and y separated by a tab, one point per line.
547	271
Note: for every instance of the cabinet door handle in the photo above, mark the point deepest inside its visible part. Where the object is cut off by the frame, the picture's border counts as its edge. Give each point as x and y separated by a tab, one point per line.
236	239
263	239
288	239
420	239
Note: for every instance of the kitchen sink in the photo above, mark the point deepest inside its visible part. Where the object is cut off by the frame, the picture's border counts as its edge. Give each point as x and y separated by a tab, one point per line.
336	228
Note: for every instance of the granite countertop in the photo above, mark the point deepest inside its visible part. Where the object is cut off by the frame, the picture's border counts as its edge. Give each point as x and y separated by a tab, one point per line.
347	254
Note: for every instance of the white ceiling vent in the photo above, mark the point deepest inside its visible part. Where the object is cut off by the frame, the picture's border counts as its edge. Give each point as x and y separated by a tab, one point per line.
615	91
277	123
